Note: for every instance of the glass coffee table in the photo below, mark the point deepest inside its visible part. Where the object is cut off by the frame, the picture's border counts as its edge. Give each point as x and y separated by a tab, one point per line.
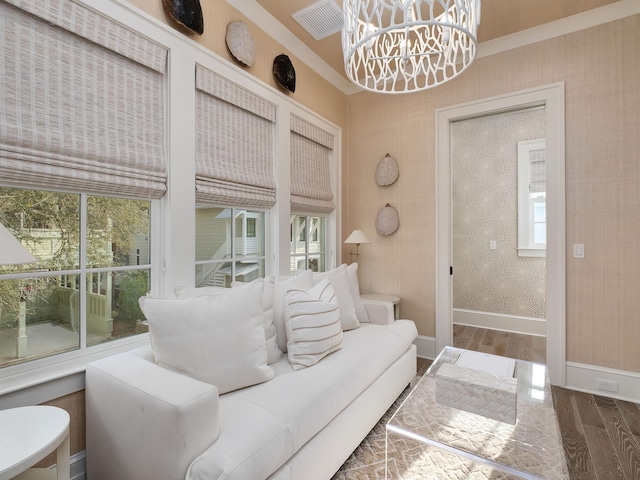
438	440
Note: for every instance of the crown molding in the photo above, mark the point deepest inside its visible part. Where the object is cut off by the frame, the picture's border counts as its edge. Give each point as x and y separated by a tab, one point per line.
591	18
564	26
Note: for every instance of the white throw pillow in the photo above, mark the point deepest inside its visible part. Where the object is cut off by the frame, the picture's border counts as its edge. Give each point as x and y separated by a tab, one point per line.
340	282
217	338
302	282
313	325
273	351
354	287
190	292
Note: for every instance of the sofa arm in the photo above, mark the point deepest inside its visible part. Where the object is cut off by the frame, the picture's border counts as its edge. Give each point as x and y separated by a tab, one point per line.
379	311
145	421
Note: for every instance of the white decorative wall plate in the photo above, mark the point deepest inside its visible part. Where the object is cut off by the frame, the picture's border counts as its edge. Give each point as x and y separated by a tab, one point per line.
240	43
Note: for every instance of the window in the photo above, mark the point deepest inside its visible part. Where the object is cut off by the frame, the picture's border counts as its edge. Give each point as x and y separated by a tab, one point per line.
251	227
308	254
230	246
532	217
93	264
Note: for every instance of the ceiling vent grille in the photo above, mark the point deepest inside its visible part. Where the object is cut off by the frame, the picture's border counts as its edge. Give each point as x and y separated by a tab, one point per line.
320	19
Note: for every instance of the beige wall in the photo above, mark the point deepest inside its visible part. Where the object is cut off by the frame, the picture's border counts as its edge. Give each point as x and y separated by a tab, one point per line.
601	70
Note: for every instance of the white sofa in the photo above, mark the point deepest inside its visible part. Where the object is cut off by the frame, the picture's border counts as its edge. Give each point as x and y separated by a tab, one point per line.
147	421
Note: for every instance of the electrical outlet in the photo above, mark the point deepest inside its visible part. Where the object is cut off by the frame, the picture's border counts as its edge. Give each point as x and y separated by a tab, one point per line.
608	386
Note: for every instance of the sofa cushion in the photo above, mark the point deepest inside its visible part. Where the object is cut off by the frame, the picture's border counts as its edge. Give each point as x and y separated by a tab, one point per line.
354	288
263	426
340	281
312	320
218	338
303	282
273	351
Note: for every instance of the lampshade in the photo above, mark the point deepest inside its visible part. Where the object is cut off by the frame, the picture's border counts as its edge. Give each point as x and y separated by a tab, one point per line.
11	250
400	46
357	237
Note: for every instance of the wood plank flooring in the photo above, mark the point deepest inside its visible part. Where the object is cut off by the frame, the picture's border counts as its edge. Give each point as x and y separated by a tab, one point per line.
601	435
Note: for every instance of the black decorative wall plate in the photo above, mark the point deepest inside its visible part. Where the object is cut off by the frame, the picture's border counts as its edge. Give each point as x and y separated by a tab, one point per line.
284	72
187	13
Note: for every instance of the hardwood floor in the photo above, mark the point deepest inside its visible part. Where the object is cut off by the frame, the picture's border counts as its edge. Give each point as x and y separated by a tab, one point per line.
601	436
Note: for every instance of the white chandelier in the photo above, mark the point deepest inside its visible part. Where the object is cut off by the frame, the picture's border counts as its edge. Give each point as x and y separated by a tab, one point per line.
401	46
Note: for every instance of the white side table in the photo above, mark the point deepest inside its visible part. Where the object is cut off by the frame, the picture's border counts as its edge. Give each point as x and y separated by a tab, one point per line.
27	435
385	298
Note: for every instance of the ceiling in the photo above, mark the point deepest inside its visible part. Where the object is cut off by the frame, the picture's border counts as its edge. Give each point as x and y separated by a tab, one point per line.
498	19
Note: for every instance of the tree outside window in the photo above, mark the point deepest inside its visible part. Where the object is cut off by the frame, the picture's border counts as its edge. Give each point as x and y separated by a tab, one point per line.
93	265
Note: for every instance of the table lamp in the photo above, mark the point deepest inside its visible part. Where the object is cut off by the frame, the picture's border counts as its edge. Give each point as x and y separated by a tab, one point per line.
357	237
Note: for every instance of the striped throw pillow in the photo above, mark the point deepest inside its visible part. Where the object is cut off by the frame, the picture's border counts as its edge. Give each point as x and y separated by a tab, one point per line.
312	324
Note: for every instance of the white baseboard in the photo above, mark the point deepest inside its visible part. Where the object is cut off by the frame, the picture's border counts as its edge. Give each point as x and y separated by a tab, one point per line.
426	347
584	378
79	466
499	321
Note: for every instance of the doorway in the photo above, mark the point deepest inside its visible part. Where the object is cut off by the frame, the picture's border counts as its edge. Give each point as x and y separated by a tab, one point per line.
498	223
552	99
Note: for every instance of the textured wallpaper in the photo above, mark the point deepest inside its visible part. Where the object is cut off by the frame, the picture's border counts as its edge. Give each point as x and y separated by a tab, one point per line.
485	208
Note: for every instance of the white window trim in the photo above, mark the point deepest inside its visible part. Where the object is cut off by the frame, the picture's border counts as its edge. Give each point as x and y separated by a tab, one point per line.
29	374
526	246
173	243
307	253
247	212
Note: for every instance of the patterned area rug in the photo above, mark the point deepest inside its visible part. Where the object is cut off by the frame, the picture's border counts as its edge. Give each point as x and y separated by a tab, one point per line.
408	459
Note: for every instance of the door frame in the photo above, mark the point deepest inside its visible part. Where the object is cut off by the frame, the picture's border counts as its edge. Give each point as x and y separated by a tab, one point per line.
552	97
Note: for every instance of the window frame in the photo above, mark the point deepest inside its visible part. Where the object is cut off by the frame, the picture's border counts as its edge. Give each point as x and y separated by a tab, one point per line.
36	373
308	236
527	247
235	259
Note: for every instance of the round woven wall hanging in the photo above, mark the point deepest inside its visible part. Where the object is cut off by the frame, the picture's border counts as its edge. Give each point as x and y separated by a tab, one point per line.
387	171
387	220
240	43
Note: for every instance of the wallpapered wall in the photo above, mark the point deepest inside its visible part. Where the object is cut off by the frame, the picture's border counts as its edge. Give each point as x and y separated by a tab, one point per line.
599	69
484	171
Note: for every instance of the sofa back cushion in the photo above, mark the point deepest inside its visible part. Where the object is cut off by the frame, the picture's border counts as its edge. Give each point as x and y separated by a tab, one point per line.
340	282
217	338
354	288
273	351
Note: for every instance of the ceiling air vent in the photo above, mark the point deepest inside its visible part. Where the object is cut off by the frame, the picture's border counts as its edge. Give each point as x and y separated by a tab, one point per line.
320	19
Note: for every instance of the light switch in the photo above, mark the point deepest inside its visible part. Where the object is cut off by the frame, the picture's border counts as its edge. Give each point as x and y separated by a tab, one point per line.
492	244
578	250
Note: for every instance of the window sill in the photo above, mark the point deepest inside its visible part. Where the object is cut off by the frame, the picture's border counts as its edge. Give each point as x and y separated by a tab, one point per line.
532	252
47	378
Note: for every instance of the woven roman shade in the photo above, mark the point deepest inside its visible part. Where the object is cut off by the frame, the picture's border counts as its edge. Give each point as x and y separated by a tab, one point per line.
81	102
234	144
311	153
538	171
